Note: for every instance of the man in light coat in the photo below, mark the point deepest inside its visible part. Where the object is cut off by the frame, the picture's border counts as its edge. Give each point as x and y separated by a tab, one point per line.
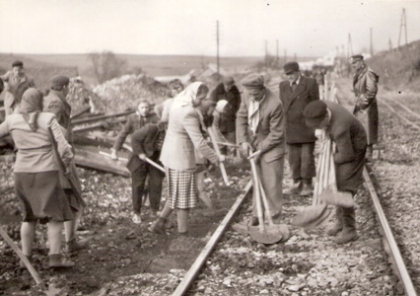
365	87
260	132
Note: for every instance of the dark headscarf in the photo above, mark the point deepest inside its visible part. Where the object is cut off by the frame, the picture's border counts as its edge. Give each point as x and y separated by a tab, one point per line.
30	106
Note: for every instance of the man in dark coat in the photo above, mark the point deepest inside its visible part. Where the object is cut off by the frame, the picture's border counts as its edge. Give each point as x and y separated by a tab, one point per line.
295	93
365	86
349	137
146	142
228	91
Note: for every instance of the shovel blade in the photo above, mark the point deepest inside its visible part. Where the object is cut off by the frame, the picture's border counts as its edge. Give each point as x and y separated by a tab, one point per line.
337	198
271	234
308	215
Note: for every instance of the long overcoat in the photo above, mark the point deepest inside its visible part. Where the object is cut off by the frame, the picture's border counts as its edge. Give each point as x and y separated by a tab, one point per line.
294	102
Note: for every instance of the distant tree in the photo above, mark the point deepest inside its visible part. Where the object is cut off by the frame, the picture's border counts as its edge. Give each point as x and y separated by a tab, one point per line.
107	65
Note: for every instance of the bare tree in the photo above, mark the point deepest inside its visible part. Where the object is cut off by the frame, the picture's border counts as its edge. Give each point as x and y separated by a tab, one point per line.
107	65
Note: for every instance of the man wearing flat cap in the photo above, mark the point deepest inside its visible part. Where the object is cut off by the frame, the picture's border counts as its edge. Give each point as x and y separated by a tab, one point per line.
296	93
365	87
55	102
16	84
260	132
349	137
227	90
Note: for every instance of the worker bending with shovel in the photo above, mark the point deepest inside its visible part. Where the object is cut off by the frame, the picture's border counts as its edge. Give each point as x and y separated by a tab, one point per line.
260	132
349	141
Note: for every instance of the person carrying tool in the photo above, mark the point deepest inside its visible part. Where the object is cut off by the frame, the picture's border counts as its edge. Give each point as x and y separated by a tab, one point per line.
55	102
296	92
146	143
349	137
182	137
365	87
260	124
16	84
37	180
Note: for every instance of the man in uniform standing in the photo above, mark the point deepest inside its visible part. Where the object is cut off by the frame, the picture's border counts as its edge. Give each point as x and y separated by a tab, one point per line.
296	93
260	132
365	86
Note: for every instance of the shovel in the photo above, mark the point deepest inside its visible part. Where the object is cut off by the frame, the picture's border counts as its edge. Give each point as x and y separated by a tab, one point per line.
266	234
22	256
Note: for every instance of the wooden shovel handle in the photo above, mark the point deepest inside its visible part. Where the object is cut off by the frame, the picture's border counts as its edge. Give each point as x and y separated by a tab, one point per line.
21	256
257	195
265	201
148	160
217	150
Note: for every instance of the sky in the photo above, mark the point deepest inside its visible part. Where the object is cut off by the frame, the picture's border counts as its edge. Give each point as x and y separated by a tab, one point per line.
188	27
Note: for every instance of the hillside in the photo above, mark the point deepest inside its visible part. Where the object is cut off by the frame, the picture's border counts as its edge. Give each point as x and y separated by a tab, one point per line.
398	68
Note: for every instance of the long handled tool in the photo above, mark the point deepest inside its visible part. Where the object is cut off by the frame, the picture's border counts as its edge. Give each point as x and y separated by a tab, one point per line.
217	150
21	256
266	234
148	160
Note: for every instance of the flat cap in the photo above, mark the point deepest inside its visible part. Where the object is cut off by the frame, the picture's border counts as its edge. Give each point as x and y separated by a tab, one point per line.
253	81
17	64
314	113
290	67
59	81
356	57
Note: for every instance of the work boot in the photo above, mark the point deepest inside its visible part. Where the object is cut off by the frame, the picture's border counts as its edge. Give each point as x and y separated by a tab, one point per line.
158	226
296	188
306	188
348	234
338	226
57	261
74	246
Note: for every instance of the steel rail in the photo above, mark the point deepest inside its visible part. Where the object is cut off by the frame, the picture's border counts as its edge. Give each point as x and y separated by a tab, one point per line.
195	268
415	114
394	252
399	115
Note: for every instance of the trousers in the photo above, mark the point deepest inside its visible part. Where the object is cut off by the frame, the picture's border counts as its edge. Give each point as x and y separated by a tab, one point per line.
302	161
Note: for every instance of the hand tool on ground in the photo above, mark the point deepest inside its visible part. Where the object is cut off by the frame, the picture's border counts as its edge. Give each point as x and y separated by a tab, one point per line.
266	234
21	256
229	145
216	149
148	160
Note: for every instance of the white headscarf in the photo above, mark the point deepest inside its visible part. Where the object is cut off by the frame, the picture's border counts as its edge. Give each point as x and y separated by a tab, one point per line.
187	96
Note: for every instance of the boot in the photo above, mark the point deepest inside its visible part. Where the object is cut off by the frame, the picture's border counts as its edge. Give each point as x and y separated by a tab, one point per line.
348	234
74	246
56	261
338	226
158	226
306	188
296	189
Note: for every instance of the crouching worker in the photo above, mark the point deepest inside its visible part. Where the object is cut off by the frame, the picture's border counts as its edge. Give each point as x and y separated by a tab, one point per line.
182	137
37	182
349	137
146	143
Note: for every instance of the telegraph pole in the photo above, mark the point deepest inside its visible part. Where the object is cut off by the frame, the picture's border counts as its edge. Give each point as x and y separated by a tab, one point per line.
390	44
217	42
285	56
277	51
403	24
266	54
349	47
371	44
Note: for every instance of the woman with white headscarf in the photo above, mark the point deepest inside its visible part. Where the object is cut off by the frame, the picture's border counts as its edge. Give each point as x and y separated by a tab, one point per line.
182	138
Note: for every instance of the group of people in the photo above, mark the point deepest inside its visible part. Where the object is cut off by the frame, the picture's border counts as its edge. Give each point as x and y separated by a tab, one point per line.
46	180
175	135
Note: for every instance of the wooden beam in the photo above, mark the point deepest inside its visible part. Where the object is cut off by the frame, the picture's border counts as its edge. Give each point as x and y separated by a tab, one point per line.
99	118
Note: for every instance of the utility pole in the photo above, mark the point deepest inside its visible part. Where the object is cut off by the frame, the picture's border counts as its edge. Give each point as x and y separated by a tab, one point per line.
403	24
371	44
285	56
349	47
277	51
217	41
295	57
390	44
266	54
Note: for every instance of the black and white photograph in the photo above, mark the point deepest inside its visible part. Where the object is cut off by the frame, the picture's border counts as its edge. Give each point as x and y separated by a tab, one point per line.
209	147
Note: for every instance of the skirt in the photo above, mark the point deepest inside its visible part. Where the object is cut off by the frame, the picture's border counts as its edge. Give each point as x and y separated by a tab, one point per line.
42	197
182	189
